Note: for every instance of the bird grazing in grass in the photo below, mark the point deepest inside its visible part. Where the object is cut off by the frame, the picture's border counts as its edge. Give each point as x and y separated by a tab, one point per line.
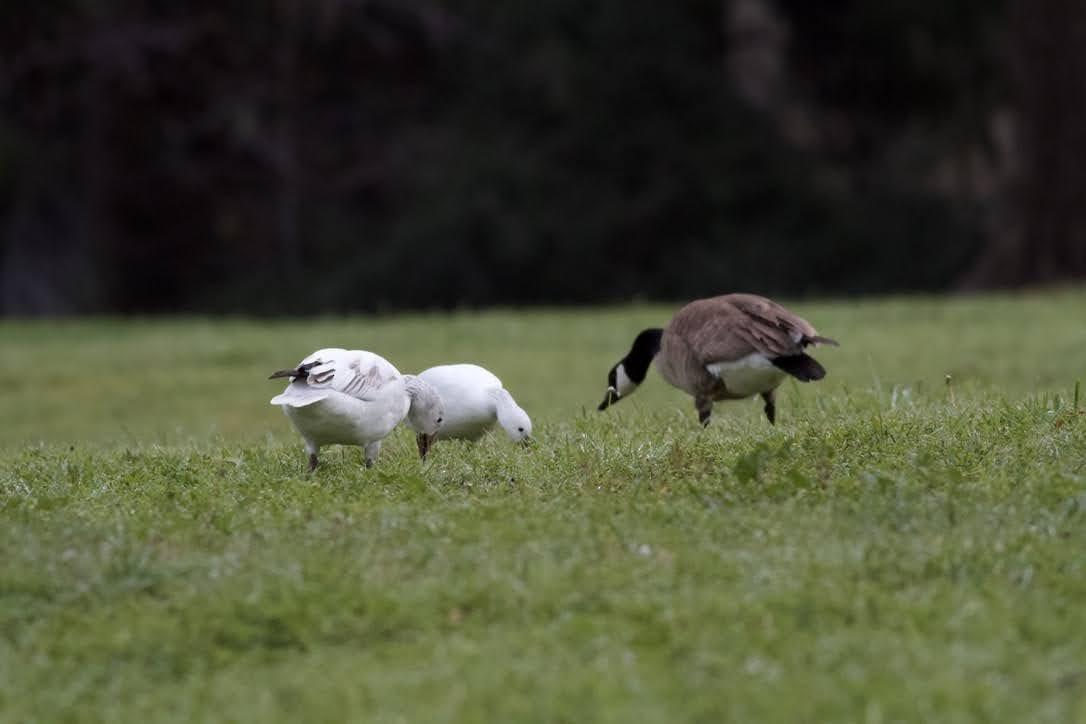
353	397
722	348
474	402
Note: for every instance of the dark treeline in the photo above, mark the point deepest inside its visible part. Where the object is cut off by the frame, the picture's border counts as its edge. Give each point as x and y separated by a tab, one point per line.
306	156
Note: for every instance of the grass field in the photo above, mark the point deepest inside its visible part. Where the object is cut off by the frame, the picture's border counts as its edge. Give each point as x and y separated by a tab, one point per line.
893	550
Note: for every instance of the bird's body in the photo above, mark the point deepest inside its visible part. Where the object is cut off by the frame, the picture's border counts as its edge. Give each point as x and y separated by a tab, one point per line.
475	401
723	348
345	397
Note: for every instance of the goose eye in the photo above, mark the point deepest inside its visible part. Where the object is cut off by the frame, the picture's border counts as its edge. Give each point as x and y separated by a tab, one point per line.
520	429
439	419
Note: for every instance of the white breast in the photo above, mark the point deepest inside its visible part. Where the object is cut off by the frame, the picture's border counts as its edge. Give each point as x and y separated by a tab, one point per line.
748	375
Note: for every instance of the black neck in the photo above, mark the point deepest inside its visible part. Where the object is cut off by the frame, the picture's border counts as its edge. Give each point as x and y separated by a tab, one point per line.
637	361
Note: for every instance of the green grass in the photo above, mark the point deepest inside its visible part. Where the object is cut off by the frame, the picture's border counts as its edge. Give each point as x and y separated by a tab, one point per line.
893	550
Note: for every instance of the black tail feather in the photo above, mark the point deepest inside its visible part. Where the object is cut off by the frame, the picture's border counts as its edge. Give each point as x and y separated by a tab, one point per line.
803	367
283	373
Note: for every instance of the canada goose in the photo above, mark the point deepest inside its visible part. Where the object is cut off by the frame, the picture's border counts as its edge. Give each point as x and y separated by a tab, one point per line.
722	348
474	400
354	397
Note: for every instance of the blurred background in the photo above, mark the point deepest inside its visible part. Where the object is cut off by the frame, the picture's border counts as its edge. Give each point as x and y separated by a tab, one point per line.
314	156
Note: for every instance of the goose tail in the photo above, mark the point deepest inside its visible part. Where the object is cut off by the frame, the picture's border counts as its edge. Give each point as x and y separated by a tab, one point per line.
801	366
299	394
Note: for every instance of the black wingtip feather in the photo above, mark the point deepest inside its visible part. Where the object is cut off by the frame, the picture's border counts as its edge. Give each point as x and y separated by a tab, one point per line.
803	367
299	371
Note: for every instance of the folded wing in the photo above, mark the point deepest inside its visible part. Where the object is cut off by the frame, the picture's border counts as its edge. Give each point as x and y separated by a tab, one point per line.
736	325
359	374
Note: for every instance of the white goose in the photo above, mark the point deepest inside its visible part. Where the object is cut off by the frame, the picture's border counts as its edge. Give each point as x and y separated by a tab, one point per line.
474	400
353	397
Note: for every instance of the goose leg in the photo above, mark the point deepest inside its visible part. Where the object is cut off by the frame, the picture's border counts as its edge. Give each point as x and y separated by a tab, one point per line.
372	450
312	449
770	406
704	406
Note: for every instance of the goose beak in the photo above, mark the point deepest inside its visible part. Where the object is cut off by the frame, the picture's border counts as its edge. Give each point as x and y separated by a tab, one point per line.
609	399
424	442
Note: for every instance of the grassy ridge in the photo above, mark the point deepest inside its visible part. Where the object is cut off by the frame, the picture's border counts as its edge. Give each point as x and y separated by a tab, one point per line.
889	551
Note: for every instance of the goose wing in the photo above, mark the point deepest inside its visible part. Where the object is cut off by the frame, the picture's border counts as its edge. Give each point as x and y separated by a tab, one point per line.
463	375
360	374
733	326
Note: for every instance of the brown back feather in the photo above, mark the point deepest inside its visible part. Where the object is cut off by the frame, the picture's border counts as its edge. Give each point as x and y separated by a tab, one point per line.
733	326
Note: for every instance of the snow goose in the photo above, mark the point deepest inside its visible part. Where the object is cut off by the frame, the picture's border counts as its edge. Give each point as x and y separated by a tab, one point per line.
722	348
353	397
474	400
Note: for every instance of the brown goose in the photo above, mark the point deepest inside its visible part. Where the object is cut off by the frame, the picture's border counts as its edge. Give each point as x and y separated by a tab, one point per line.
722	348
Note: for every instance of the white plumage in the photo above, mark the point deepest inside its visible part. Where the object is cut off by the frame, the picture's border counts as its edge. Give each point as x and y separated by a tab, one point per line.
748	375
474	401
354	397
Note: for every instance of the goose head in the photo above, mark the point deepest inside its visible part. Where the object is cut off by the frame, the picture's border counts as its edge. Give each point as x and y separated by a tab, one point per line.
513	419
425	414
629	372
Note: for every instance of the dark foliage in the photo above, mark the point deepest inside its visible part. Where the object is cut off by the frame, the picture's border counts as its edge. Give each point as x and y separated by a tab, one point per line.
336	155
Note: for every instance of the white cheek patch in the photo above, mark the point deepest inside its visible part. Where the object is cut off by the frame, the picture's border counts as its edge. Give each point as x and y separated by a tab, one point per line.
623	384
